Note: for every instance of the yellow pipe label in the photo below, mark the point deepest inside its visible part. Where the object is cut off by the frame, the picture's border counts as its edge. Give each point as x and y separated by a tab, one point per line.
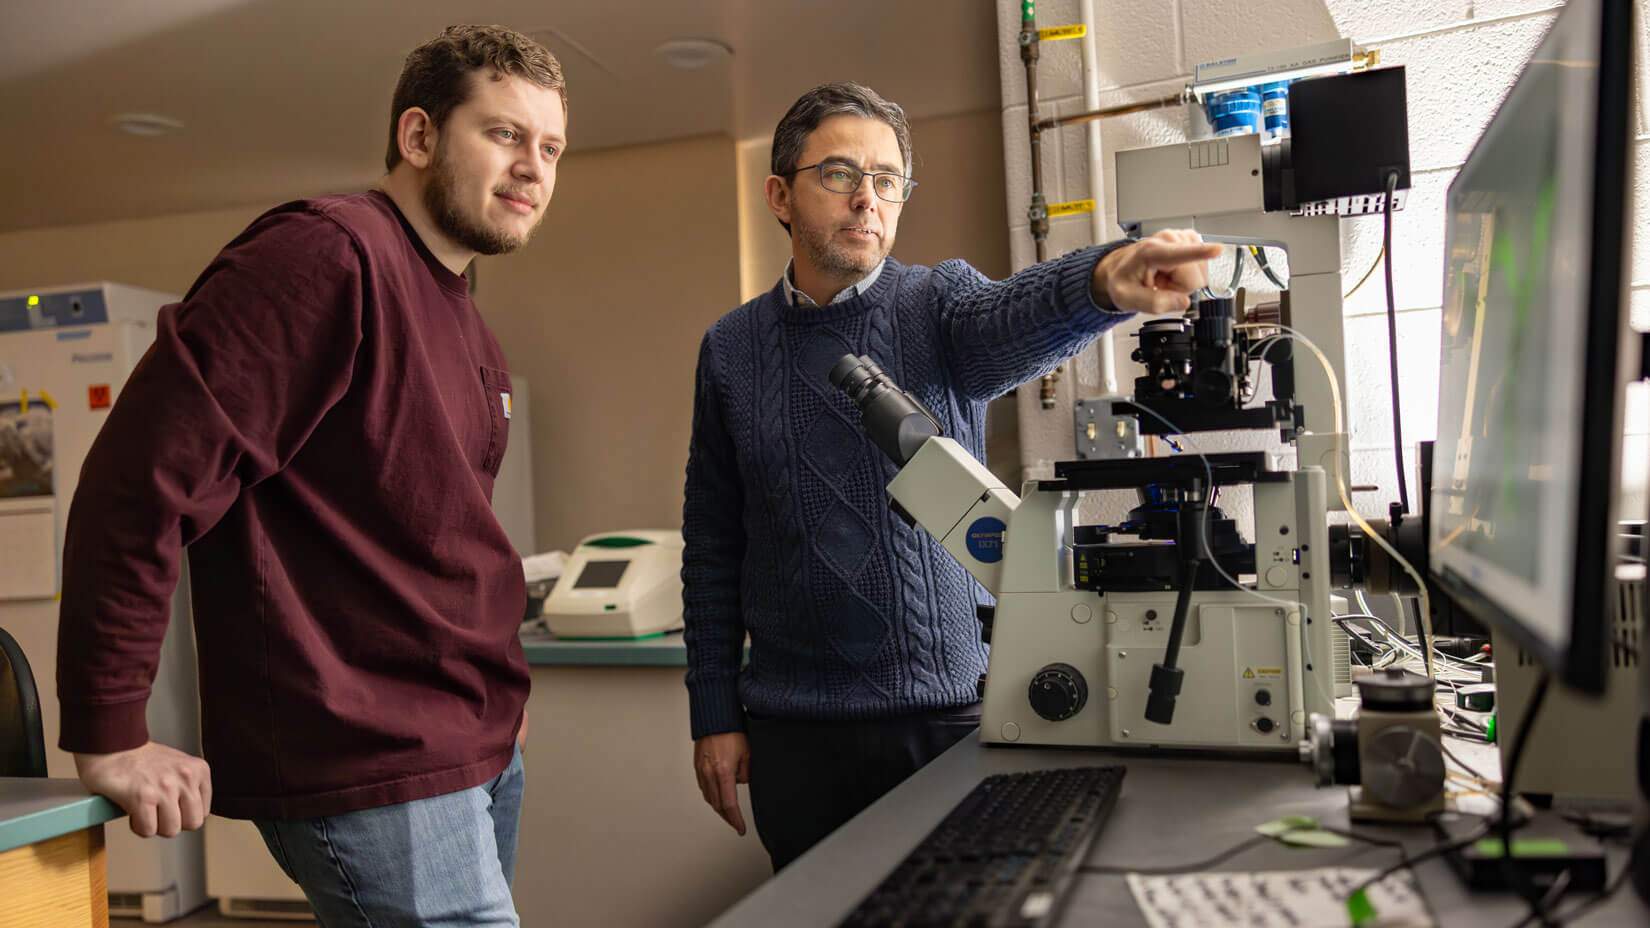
1067	209
1054	33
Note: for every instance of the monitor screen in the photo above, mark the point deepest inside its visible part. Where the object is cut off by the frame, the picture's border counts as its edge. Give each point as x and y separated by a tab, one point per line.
1526	464
600	575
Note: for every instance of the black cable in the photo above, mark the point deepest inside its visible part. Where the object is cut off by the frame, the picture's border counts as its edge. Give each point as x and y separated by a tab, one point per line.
1576	911
1207	292
1439	849
1265	268
1237	271
1229	853
1602	829
1554	892
1378	842
1201	865
1392	344
1516	878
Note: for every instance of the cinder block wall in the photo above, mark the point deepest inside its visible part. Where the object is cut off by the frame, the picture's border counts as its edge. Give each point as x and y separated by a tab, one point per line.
1460	55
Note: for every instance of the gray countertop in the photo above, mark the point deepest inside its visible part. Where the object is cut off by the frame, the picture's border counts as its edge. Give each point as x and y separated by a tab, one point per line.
34	810
667	650
664	650
1173	810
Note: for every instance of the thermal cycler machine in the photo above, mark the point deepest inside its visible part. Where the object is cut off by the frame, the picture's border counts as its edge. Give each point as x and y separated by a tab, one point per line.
619	585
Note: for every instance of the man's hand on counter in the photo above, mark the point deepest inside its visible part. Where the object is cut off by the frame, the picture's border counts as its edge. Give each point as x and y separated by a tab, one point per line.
164	790
722	762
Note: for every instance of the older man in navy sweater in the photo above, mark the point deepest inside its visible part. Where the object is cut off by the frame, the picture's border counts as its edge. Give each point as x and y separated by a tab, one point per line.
864	647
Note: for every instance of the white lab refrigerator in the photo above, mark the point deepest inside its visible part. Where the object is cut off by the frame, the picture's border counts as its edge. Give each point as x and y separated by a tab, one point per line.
64	354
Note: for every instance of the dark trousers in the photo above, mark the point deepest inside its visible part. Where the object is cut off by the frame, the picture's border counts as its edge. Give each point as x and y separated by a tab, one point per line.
808	777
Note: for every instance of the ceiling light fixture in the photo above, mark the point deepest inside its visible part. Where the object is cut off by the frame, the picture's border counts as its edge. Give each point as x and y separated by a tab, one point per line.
145	124
692	54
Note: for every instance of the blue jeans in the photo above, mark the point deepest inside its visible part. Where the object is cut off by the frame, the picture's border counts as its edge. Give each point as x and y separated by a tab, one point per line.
443	861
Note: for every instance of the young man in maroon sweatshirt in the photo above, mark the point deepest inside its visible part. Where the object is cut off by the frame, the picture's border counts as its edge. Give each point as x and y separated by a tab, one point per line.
335	413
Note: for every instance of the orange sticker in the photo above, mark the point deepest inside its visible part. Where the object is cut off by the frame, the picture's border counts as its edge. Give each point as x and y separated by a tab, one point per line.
97	397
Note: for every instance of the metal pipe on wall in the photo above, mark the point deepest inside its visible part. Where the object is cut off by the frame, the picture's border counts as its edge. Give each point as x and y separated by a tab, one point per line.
1030	51
1037	213
1097	180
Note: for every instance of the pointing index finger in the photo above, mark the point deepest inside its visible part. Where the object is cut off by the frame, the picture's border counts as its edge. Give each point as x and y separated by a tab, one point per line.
1166	253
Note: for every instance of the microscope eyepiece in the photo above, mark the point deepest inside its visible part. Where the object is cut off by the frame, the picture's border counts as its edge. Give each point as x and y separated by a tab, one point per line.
857	377
895	420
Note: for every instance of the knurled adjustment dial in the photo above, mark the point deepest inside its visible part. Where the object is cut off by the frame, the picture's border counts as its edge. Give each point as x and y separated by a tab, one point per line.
1058	692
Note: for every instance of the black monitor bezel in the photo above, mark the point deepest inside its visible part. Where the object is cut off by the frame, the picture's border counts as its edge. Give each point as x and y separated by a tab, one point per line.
1582	665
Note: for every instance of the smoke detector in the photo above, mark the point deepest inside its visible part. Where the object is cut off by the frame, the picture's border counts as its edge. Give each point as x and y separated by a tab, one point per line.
692	54
145	124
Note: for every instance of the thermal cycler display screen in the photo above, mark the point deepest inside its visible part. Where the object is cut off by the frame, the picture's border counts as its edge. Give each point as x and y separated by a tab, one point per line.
600	575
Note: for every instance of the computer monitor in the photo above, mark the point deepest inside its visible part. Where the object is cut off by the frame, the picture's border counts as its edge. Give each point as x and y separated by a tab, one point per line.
1535	351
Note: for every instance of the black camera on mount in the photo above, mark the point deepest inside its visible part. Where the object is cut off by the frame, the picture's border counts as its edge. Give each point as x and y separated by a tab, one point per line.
1191	358
1197	375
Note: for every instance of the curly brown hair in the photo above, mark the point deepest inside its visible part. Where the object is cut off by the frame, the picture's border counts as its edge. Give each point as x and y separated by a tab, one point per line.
435	76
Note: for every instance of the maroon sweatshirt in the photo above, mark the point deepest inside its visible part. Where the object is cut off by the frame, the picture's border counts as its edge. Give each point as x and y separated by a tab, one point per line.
319	423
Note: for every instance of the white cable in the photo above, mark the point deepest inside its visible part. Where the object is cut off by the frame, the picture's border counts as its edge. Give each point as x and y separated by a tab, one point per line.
1341	487
1358	597
1392	634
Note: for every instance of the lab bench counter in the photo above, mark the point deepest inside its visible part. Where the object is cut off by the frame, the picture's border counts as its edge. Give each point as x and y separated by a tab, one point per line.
35	810
614	831
665	650
1171	811
51	853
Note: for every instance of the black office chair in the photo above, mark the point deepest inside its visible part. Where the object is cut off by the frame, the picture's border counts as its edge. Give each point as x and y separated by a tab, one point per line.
22	738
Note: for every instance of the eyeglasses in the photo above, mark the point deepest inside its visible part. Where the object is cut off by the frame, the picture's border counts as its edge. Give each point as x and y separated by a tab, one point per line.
844	178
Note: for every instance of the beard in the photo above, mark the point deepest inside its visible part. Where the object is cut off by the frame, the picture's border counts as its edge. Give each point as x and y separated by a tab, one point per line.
834	259
442	203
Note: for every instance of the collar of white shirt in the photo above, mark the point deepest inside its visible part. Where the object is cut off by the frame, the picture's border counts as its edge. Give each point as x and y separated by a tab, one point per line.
799	299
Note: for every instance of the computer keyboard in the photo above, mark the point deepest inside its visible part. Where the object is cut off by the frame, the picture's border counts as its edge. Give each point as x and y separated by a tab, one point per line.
1004	856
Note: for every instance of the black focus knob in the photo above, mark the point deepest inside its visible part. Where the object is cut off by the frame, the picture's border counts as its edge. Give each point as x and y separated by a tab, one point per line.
1058	692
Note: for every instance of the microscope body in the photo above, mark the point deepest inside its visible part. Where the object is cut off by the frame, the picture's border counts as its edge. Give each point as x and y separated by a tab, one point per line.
1071	657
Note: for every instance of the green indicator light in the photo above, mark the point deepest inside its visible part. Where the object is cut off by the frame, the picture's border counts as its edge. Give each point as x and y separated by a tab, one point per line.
34	301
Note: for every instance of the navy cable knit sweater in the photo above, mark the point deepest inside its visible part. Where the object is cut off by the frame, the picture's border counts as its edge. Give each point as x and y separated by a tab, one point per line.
851	613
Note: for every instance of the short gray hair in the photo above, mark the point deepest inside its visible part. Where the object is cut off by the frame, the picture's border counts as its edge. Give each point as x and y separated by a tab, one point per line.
839	98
